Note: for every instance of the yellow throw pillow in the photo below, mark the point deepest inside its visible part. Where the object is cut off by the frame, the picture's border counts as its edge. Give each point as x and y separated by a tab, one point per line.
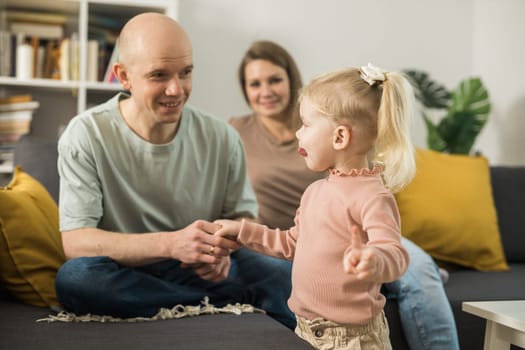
448	210
30	243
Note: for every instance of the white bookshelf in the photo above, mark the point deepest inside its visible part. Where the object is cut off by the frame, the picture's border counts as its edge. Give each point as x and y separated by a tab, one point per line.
60	100
81	10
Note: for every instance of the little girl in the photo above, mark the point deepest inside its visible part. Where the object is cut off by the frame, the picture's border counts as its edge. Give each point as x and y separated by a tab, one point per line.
346	238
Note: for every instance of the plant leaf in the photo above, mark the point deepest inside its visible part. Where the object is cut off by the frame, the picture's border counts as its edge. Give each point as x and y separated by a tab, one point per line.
467	115
434	139
471	96
428	92
460	130
467	107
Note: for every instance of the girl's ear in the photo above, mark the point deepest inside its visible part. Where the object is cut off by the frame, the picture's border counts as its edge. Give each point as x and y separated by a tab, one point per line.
122	75
342	136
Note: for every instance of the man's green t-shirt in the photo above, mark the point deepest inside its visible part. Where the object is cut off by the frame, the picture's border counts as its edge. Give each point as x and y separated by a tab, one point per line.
112	179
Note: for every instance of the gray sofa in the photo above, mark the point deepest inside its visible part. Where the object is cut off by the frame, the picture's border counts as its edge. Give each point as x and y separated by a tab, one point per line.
19	330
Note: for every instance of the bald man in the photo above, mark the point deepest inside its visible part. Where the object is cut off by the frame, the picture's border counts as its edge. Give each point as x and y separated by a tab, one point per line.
142	178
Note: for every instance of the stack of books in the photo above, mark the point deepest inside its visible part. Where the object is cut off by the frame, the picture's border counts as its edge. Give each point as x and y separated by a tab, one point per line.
16	114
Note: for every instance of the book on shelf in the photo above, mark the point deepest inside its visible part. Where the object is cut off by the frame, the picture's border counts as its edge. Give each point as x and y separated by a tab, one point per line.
92	60
15	99
51	69
34	17
6	158
15	125
41	30
5	53
39	56
24	61
22	102
16	114
7	166
5	154
15	119
64	59
18	106
47	58
35	48
68	61
106	36
109	76
106	39
8	45
74	60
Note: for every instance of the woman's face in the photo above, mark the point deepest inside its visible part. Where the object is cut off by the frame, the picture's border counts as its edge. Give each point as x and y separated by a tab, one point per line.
267	87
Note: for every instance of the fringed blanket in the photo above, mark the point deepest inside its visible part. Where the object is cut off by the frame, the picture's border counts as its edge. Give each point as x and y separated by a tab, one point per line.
178	311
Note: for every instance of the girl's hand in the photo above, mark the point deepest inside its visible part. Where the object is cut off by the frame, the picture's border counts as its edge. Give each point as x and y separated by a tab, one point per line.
360	259
228	229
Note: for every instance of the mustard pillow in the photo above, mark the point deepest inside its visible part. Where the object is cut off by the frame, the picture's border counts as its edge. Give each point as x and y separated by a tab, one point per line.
30	243
448	210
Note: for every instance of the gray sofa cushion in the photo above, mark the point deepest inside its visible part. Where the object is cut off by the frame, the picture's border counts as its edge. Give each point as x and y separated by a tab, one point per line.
20	331
38	158
471	285
505	182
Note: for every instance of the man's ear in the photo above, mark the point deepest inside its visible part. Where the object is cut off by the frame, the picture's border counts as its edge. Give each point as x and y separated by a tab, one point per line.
122	75
342	136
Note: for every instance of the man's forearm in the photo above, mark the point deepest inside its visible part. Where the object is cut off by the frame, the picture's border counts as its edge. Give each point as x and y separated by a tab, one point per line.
124	248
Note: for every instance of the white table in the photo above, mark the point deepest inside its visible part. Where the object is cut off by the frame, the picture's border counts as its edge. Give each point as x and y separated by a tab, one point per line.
505	322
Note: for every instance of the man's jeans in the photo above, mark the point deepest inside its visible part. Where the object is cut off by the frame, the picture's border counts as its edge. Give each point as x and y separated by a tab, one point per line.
100	286
426	315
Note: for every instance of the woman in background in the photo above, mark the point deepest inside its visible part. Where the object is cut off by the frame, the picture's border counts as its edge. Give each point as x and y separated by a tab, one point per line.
270	81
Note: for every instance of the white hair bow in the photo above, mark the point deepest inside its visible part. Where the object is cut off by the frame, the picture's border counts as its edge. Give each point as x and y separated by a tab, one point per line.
372	74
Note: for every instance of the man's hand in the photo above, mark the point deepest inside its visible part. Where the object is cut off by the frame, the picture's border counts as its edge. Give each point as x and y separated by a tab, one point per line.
212	272
360	259
196	244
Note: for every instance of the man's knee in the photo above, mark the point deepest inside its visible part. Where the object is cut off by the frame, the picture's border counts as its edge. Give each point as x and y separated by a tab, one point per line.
77	275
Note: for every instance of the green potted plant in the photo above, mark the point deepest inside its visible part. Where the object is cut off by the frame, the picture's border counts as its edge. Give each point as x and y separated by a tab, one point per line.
466	111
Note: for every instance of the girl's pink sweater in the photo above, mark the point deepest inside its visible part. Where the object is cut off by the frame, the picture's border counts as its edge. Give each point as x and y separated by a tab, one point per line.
320	238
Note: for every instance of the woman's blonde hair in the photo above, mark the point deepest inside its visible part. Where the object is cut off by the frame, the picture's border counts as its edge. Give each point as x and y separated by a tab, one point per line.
382	109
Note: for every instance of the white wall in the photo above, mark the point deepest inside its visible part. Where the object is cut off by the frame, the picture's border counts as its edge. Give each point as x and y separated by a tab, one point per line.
499	58
450	39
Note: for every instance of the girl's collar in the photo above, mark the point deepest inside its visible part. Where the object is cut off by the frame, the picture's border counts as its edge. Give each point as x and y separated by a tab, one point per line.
376	169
